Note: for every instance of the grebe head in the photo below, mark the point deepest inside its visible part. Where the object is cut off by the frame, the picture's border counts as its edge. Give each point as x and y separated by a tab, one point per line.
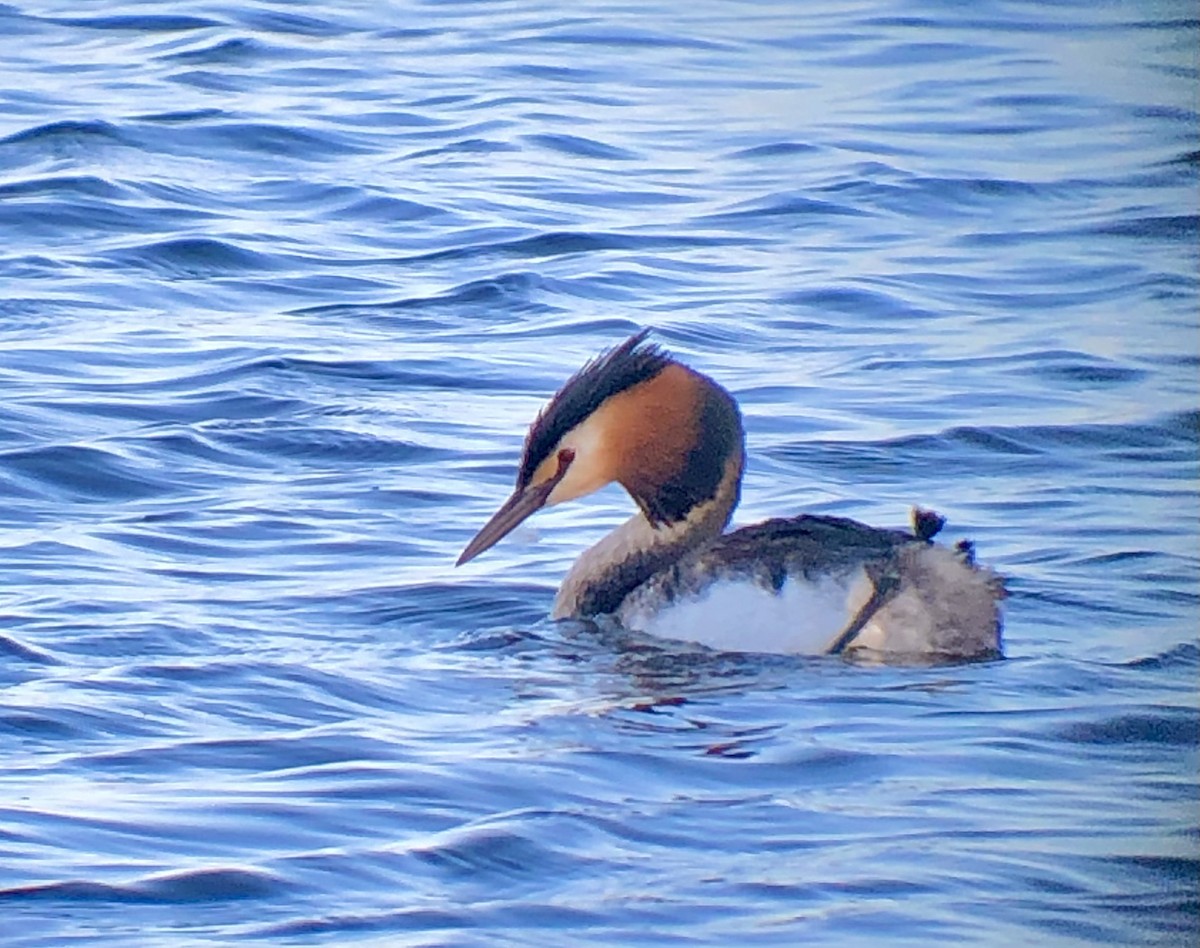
670	436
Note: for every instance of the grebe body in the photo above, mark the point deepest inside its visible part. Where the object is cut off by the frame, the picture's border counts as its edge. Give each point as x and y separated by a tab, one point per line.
673	439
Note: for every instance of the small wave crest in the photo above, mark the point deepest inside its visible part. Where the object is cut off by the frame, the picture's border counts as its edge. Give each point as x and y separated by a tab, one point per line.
174	888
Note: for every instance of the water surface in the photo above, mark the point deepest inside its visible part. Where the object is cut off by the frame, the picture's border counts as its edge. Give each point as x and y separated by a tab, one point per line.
281	286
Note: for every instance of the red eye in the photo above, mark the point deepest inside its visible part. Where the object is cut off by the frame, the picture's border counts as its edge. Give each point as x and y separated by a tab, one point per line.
565	457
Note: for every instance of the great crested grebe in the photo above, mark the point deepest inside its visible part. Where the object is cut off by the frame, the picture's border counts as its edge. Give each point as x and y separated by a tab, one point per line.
808	584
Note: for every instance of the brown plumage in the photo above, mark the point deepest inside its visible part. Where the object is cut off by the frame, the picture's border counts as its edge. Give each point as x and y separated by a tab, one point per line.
609	374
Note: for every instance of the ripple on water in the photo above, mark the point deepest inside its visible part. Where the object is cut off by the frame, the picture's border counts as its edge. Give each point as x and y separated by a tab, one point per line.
173	888
194	258
82	474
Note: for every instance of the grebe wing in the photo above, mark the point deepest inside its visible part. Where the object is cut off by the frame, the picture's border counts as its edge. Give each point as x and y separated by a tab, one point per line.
820	585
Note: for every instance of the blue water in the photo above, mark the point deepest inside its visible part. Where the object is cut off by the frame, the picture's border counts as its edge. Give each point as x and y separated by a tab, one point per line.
281	286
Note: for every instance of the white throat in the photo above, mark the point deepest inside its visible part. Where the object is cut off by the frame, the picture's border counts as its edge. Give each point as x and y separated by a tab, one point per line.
622	545
624	559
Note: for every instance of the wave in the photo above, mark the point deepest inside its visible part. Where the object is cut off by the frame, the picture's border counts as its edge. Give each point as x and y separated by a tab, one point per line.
171	888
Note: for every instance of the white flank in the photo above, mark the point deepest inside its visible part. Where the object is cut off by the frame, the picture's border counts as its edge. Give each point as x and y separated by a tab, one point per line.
803	618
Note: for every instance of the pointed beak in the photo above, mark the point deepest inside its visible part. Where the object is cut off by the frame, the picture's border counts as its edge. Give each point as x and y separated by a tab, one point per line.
521	505
524	502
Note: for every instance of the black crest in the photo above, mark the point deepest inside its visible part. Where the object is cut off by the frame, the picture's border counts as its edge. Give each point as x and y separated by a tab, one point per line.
630	363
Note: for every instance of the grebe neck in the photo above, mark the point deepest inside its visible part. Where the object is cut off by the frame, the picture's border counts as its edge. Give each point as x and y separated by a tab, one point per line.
607	572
